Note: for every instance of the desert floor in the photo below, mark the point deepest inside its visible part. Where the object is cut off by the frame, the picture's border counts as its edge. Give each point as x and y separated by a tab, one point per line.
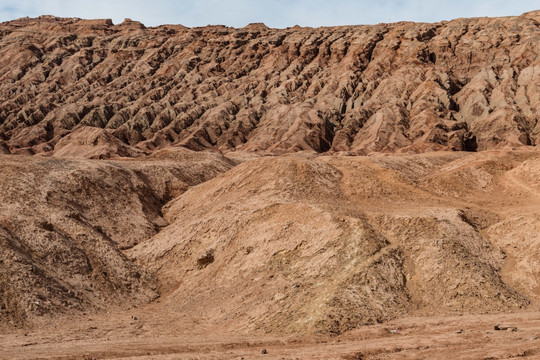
149	334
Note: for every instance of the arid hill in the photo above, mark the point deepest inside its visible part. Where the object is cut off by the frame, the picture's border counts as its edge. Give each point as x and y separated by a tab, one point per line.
466	84
64	224
326	244
299	243
198	193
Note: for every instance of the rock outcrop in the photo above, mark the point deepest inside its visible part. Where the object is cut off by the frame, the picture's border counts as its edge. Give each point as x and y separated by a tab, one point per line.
466	84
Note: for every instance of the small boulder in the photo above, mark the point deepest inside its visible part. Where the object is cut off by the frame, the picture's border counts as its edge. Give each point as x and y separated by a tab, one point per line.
503	327
205	259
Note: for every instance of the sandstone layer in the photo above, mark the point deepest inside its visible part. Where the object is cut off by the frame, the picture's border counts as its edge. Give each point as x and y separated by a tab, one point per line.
466	84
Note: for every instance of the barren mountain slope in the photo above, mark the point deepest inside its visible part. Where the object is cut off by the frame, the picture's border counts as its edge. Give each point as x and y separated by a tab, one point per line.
296	244
232	204
63	224
465	84
307	244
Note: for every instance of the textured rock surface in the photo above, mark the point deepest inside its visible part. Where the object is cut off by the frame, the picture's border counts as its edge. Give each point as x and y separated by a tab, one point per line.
64	223
305	244
284	234
466	84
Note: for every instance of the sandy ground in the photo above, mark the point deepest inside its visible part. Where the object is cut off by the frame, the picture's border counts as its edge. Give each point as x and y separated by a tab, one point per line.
150	334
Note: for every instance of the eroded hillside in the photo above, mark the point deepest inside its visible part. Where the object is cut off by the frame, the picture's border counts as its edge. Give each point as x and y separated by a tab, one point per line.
326	244
289	244
64	224
301	183
466	84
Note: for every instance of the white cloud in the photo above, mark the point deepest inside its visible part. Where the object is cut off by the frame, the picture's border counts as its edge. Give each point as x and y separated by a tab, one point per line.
276	13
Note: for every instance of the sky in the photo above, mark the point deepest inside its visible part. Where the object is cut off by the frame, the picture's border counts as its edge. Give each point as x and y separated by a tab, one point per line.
274	13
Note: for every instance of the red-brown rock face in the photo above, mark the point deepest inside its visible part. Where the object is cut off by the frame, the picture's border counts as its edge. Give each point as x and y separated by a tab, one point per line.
467	84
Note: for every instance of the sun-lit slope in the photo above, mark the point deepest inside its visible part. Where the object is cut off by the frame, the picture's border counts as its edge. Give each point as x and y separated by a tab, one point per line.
63	224
303	243
297	244
465	84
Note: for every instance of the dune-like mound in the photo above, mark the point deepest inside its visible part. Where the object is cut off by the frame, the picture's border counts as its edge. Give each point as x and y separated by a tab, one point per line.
305	244
93	143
